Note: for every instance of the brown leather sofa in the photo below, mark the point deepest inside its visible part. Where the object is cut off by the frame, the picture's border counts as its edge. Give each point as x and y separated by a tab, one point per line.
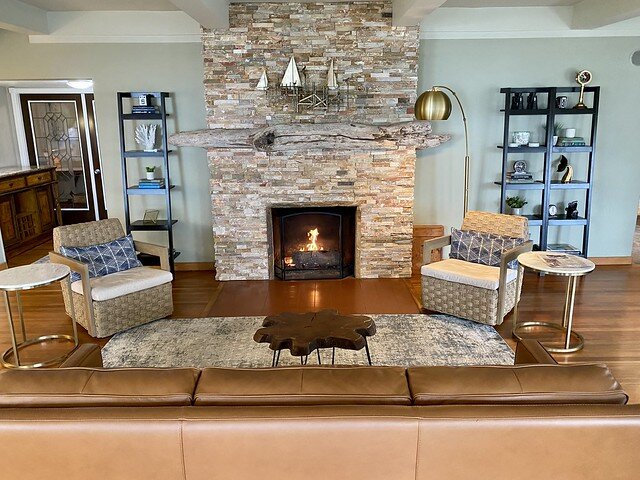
535	420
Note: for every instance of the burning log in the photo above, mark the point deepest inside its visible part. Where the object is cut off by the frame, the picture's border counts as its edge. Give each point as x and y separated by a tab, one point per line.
316	259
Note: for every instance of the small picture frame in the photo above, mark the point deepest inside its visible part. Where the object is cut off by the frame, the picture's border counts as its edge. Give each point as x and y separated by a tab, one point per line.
144	100
150	217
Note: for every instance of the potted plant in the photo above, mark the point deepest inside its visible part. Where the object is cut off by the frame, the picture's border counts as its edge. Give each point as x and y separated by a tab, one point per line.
151	169
515	204
557	130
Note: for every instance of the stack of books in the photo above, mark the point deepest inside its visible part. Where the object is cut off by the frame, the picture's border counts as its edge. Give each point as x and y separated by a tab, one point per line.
563	248
515	177
144	109
571	142
155	183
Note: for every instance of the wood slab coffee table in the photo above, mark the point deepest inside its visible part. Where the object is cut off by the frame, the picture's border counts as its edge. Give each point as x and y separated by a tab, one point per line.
302	333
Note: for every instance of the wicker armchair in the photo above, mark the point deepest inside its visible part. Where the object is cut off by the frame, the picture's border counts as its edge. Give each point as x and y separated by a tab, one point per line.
463	298
103	316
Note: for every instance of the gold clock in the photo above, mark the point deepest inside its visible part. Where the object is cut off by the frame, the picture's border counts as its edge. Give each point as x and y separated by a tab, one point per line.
583	78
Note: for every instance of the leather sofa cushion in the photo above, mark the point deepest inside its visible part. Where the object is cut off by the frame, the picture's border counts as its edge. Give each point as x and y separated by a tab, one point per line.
303	386
88	387
123	283
525	384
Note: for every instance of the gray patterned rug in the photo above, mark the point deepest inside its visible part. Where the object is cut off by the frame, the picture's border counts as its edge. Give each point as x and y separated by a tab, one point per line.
403	340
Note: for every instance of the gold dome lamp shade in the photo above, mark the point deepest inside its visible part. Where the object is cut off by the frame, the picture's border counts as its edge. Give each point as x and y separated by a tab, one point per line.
435	105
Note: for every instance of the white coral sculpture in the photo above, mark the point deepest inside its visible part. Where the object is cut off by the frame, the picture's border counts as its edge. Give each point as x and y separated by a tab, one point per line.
146	136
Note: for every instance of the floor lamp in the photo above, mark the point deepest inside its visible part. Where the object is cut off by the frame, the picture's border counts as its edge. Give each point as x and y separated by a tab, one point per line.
436	105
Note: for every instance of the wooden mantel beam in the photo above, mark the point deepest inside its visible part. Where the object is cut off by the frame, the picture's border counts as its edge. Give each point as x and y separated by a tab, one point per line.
311	136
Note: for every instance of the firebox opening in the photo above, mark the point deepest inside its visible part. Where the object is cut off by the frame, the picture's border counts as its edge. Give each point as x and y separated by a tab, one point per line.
313	242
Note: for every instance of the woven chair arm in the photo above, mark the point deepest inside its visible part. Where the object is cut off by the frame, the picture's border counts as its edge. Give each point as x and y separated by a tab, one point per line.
433	244
75	265
513	254
156	250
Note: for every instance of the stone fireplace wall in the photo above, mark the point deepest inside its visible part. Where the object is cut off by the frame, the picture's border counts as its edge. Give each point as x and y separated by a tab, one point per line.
380	62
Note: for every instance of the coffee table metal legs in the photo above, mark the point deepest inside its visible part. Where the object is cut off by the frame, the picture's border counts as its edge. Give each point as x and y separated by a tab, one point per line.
275	359
567	321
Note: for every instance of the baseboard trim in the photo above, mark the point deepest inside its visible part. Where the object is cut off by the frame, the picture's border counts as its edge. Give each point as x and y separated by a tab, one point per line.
612	260
193	266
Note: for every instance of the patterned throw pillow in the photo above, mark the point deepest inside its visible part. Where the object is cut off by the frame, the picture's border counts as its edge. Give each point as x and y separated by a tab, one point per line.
483	248
110	257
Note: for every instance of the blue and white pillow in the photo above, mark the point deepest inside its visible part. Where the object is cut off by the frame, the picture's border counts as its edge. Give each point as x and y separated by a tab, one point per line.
111	257
483	248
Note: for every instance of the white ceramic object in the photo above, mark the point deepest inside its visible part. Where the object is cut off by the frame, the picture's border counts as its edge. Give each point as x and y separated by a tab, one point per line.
516	211
146	136
151	175
570	132
521	138
555	140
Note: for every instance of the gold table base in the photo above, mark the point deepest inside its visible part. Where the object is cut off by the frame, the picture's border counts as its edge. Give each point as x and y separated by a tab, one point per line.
567	319
26	342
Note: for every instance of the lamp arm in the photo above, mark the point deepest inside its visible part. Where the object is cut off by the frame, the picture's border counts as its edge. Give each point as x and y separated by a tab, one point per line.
466	148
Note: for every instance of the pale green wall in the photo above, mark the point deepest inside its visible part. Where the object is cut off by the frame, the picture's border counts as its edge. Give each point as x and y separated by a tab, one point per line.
477	69
8	146
175	68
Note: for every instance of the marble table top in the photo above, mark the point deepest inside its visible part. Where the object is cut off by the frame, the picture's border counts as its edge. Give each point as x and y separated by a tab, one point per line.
32	276
556	263
9	171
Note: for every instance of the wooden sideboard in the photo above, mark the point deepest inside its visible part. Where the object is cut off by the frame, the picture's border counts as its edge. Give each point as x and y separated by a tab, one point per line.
29	207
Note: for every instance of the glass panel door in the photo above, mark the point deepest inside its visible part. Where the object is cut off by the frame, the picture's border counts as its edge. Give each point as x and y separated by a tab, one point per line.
55	131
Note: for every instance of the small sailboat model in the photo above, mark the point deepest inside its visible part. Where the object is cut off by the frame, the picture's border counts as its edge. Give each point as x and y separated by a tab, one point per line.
332	81
291	76
263	83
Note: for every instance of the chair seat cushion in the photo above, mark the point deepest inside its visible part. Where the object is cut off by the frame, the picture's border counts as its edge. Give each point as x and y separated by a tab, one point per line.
123	283
467	273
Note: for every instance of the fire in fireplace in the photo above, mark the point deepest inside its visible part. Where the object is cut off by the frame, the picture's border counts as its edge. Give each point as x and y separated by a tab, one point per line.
313	242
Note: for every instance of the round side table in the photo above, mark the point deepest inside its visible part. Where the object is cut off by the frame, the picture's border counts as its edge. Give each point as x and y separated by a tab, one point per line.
28	277
561	264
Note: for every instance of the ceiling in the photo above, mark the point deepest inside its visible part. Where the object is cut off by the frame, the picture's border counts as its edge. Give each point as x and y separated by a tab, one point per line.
101	5
508	3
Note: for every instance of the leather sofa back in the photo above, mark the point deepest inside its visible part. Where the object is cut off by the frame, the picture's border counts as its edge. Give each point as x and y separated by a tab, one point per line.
520	384
92	387
303	386
530	384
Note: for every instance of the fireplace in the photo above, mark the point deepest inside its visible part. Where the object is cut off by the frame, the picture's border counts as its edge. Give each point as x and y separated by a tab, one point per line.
313	242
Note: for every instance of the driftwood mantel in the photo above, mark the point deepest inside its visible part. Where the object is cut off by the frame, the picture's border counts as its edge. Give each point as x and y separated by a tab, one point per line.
305	136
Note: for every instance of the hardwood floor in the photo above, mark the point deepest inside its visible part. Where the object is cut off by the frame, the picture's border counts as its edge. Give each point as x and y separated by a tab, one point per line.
607	310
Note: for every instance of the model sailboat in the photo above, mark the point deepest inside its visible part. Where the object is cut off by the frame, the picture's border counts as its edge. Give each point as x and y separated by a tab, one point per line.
332	81
291	76
263	83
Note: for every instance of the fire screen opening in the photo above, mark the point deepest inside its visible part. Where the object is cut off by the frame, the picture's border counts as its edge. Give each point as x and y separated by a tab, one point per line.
314	242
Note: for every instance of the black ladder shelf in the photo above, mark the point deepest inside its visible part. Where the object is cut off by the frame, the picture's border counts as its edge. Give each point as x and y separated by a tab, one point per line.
162	154
546	185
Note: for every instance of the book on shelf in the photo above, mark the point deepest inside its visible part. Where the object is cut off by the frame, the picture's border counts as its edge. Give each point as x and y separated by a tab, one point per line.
571	142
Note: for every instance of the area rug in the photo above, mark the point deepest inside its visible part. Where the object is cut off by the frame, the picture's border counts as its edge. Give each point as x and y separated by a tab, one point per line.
402	340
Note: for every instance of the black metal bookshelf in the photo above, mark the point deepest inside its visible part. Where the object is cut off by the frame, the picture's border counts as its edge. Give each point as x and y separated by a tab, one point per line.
548	150
126	155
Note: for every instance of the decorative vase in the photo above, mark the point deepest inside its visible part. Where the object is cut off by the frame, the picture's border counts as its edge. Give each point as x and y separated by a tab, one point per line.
516	211
555	140
151	175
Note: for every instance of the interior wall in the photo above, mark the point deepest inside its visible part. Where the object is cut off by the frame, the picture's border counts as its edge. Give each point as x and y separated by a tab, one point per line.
9	155
477	69
176	68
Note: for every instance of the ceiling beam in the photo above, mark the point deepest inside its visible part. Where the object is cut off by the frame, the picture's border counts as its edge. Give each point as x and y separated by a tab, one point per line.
589	14
208	13
20	17
411	12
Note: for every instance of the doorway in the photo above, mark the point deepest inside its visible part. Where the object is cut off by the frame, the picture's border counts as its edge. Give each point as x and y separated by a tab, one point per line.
60	132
